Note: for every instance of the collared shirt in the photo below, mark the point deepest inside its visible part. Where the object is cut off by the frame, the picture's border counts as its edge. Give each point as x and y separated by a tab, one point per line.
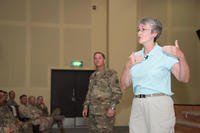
153	74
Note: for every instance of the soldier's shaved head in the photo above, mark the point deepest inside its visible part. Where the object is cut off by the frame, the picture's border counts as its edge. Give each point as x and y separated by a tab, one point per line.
98	52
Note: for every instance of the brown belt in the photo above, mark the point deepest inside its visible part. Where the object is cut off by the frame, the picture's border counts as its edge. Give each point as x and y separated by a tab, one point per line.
149	95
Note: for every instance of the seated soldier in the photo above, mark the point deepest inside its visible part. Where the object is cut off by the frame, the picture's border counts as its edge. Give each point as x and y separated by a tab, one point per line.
12	103
23	108
42	106
8	123
11	99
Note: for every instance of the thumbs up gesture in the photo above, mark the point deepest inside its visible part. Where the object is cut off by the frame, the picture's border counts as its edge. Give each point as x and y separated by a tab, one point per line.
173	50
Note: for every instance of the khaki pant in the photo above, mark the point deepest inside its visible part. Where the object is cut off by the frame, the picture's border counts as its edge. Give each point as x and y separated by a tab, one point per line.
44	122
152	115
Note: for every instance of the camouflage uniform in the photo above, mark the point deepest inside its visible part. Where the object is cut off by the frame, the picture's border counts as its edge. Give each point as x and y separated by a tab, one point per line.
8	120
13	105
35	115
104	92
43	108
11	102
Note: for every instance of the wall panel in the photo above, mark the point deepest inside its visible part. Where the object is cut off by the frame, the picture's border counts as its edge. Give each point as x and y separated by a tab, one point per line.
78	41
44	53
45	11
12	56
13	10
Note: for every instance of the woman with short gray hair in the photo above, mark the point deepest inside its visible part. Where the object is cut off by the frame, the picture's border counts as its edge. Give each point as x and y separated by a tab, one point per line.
149	70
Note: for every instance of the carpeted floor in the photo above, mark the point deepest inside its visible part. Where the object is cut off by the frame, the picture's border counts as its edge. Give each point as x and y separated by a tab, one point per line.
118	129
121	129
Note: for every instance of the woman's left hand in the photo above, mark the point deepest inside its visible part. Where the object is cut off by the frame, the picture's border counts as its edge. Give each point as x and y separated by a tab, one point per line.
173	50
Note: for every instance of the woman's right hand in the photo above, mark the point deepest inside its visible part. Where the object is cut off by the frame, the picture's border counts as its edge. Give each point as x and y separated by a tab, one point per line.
133	59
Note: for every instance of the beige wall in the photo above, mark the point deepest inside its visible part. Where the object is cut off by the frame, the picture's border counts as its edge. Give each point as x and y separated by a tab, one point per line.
36	36
122	41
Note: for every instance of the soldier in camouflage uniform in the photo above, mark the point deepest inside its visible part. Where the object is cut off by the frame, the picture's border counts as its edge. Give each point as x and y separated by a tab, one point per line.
103	94
11	101
42	106
8	123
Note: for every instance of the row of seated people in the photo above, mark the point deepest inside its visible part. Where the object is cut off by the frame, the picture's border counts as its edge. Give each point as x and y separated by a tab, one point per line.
14	118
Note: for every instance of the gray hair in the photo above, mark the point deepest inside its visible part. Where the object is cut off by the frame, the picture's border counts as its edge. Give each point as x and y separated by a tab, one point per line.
156	25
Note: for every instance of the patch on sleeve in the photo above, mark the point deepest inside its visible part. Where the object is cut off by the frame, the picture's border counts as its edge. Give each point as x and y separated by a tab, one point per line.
117	81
